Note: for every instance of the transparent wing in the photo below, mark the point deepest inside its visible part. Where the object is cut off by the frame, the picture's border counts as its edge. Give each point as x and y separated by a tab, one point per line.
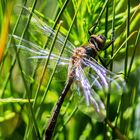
94	104
33	51
42	35
93	79
103	79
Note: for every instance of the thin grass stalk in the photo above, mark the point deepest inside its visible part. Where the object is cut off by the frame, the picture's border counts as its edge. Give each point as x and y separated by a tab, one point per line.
133	94
43	72
134	10
127	34
28	94
65	111
60	13
33	74
13	32
112	52
105	55
92	29
14	59
65	122
68	118
106	24
113	32
46	63
53	120
117	131
106	27
45	45
1	13
133	55
133	105
125	126
132	100
119	105
115	54
56	21
6	52
68	104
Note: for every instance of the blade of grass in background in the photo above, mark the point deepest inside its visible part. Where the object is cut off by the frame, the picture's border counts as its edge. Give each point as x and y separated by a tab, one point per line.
133	55
5	27
127	34
91	30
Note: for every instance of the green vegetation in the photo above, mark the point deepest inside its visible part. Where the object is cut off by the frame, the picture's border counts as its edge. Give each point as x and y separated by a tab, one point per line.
30	88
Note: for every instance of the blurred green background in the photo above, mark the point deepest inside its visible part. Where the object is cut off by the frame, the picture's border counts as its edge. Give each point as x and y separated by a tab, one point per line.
21	79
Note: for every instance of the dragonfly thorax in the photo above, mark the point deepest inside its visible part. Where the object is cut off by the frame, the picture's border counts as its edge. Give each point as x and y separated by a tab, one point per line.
96	43
78	54
85	51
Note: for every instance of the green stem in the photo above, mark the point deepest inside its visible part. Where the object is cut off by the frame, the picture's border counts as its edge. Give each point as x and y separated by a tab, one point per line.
91	30
133	55
127	34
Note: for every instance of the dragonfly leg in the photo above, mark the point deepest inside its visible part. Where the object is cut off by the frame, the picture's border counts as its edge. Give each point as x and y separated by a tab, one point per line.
102	62
108	44
91	29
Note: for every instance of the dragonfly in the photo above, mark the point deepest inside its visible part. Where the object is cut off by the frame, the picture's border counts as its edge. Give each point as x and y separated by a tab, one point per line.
83	69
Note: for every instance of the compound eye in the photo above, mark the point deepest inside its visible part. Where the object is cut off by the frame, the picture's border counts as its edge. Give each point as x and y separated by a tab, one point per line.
102	37
92	40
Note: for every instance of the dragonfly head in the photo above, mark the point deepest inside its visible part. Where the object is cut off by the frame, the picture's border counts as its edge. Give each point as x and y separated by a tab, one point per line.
98	41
